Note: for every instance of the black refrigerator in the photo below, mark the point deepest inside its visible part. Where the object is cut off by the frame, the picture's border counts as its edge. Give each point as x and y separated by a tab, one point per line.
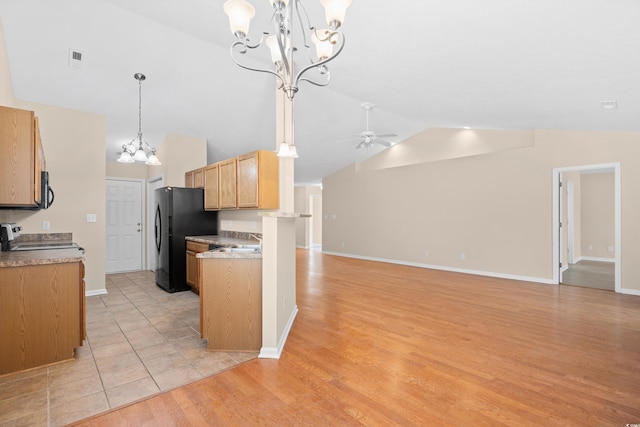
179	213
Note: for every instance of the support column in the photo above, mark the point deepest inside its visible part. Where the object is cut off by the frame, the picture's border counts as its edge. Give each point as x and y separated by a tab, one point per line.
279	306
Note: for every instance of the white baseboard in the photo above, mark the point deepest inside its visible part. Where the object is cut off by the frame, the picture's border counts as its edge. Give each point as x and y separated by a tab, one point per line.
275	352
630	291
455	270
592	258
94	293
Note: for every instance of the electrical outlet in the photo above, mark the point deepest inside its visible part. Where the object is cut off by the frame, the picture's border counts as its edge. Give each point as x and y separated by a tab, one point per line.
46	225
462	256
610	248
342	244
426	253
590	247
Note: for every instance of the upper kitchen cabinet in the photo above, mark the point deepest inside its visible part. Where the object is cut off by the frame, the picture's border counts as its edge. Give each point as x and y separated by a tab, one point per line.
211	187
249	181
21	159
258	180
227	184
194	178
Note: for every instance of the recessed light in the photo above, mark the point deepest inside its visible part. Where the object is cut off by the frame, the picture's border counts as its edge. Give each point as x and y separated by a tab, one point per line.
609	105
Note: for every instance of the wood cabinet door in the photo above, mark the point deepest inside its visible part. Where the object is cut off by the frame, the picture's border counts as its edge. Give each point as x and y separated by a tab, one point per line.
211	187
227	184
198	178
192	270
41	313
17	158
188	179
248	181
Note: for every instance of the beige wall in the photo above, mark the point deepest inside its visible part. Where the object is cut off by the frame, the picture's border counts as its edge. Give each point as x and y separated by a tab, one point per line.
179	154
127	170
597	213
6	86
496	208
74	144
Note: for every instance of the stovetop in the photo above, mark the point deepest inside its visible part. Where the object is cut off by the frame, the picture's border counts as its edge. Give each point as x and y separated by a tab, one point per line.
40	245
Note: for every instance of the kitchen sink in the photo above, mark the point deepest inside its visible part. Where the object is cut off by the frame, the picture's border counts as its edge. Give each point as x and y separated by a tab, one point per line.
256	247
239	250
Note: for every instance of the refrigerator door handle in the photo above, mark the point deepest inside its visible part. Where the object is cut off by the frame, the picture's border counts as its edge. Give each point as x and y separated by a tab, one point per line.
158	225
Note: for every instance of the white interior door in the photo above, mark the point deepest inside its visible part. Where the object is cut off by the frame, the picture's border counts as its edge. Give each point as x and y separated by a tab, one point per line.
124	225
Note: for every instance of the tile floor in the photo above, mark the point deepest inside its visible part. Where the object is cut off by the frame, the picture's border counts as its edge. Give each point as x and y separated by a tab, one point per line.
141	340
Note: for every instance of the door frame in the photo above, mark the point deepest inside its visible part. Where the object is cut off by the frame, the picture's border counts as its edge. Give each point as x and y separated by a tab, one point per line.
604	167
150	240
142	214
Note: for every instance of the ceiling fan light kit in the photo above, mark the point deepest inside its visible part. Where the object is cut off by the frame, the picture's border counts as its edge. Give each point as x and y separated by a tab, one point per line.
328	42
368	137
139	150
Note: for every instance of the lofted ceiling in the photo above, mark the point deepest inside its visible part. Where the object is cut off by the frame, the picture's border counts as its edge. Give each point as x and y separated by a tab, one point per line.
424	63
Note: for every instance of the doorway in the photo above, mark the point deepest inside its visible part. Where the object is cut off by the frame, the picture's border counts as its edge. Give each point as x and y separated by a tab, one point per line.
586	247
124	225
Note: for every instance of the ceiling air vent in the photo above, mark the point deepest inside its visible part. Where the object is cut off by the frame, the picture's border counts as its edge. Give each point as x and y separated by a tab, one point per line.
75	58
609	105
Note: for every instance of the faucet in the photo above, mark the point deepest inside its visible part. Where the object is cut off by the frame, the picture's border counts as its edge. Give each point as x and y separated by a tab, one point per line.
258	238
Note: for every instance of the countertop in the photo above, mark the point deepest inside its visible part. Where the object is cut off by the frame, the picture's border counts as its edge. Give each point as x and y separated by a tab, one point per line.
224	241
42	256
39	257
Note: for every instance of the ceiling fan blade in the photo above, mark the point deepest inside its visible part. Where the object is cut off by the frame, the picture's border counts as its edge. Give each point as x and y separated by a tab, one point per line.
362	144
386	135
349	140
382	142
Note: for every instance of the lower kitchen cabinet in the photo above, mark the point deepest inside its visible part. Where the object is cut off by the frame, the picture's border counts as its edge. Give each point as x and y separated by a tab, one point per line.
194	248
231	303
42	314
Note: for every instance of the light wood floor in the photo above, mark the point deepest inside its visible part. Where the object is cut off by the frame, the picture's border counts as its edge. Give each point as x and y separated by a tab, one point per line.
382	344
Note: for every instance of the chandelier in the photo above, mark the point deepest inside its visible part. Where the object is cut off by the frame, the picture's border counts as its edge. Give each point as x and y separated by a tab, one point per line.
281	42
139	150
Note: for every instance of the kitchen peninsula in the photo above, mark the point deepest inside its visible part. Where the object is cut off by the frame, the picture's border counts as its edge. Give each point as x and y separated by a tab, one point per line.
42	307
230	286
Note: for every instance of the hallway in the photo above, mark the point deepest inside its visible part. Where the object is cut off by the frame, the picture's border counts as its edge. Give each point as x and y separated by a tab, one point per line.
590	274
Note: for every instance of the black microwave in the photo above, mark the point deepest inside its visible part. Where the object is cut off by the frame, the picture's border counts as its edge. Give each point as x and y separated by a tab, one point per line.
46	195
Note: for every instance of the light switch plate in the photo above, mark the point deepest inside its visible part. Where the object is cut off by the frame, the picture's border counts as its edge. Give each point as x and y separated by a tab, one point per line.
92	218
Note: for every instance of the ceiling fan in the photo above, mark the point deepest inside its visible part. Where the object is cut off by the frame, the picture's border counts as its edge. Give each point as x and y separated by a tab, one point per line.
368	137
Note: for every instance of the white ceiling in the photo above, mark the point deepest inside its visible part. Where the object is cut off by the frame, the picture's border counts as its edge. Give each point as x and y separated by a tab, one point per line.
424	63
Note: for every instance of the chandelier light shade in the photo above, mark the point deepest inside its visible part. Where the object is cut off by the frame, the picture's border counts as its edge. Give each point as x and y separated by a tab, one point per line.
139	150
240	14
286	150
287	15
